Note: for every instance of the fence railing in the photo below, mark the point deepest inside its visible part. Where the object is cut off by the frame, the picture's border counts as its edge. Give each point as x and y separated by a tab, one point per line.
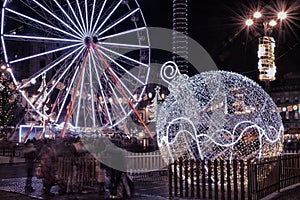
145	162
206	179
80	172
273	174
237	179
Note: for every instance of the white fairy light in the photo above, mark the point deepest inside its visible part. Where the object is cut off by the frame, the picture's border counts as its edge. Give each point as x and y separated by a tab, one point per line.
218	114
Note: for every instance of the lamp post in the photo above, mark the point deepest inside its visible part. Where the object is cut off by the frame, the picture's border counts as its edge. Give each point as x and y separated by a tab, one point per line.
266	43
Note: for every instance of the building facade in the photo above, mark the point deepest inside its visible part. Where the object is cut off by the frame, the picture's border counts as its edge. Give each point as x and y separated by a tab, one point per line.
286	94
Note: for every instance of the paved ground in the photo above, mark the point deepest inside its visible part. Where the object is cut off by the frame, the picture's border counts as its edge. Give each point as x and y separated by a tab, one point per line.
13	188
12	182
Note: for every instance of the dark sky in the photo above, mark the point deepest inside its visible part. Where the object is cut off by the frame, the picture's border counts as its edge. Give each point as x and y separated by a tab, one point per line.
214	24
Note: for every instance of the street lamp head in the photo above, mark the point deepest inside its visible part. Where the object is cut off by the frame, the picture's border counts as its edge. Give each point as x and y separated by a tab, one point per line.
257	15
272	22
281	15
249	22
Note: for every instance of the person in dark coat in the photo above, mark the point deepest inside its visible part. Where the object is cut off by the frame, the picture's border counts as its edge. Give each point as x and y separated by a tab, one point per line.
49	179
30	156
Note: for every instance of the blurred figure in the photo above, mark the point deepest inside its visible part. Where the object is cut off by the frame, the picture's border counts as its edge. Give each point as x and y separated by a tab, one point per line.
46	163
101	177
30	156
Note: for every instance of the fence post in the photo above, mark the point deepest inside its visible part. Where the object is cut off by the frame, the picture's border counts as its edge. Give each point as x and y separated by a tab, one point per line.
203	179
235	184
192	178
242	174
209	179
198	179
228	180
279	172
170	179
216	178
222	179
186	174
250	183
180	178
175	179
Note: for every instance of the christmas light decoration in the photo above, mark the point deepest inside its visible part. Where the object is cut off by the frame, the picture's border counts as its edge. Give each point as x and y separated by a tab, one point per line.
217	114
180	38
9	108
266	56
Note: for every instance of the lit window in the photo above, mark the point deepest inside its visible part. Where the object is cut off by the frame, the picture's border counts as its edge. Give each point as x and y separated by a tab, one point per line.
296	115
287	115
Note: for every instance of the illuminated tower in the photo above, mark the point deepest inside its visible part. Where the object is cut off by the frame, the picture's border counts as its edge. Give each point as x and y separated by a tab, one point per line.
266	43
266	56
180	38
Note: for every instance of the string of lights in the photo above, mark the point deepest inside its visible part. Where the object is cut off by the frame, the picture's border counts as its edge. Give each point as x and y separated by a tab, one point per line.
180	38
218	114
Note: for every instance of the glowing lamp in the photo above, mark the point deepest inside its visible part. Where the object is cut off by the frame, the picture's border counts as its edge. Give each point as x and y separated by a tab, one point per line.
281	15
272	23
257	15
249	22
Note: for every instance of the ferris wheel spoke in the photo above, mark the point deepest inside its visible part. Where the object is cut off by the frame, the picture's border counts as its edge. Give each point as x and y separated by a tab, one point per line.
122	33
32	106
99	15
101	87
81	17
86	16
107	17
63	74
42	23
92	91
92	16
35	38
126	57
43	71
134	46
44	53
69	18
118	82
79	98
57	18
75	16
120	66
116	97
67	92
118	21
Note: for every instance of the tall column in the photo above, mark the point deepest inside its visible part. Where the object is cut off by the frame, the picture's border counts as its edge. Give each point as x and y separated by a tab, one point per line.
180	42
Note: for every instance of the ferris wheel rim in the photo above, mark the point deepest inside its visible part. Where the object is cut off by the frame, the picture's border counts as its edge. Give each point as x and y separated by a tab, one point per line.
78	40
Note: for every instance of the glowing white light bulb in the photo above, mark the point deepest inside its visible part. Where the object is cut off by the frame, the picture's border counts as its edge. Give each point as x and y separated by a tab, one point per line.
257	15
249	22
281	15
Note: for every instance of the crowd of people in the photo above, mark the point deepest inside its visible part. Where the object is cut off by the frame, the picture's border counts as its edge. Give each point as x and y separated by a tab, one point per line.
41	158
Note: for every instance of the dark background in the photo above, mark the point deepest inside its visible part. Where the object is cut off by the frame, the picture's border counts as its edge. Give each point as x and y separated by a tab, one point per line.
217	25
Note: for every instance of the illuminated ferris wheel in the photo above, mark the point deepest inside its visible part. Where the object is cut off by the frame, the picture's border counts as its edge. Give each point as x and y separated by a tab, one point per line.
77	62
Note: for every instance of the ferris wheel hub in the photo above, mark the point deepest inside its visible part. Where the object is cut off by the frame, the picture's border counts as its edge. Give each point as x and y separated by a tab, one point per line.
90	39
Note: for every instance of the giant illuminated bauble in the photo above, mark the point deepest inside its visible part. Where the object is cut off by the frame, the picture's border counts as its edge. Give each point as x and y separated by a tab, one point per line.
218	114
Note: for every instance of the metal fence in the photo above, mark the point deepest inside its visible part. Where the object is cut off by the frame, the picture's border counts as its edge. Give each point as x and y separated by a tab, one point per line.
273	174
206	179
237	179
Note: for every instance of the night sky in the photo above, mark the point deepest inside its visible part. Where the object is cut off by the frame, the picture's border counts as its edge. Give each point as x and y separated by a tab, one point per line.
214	24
